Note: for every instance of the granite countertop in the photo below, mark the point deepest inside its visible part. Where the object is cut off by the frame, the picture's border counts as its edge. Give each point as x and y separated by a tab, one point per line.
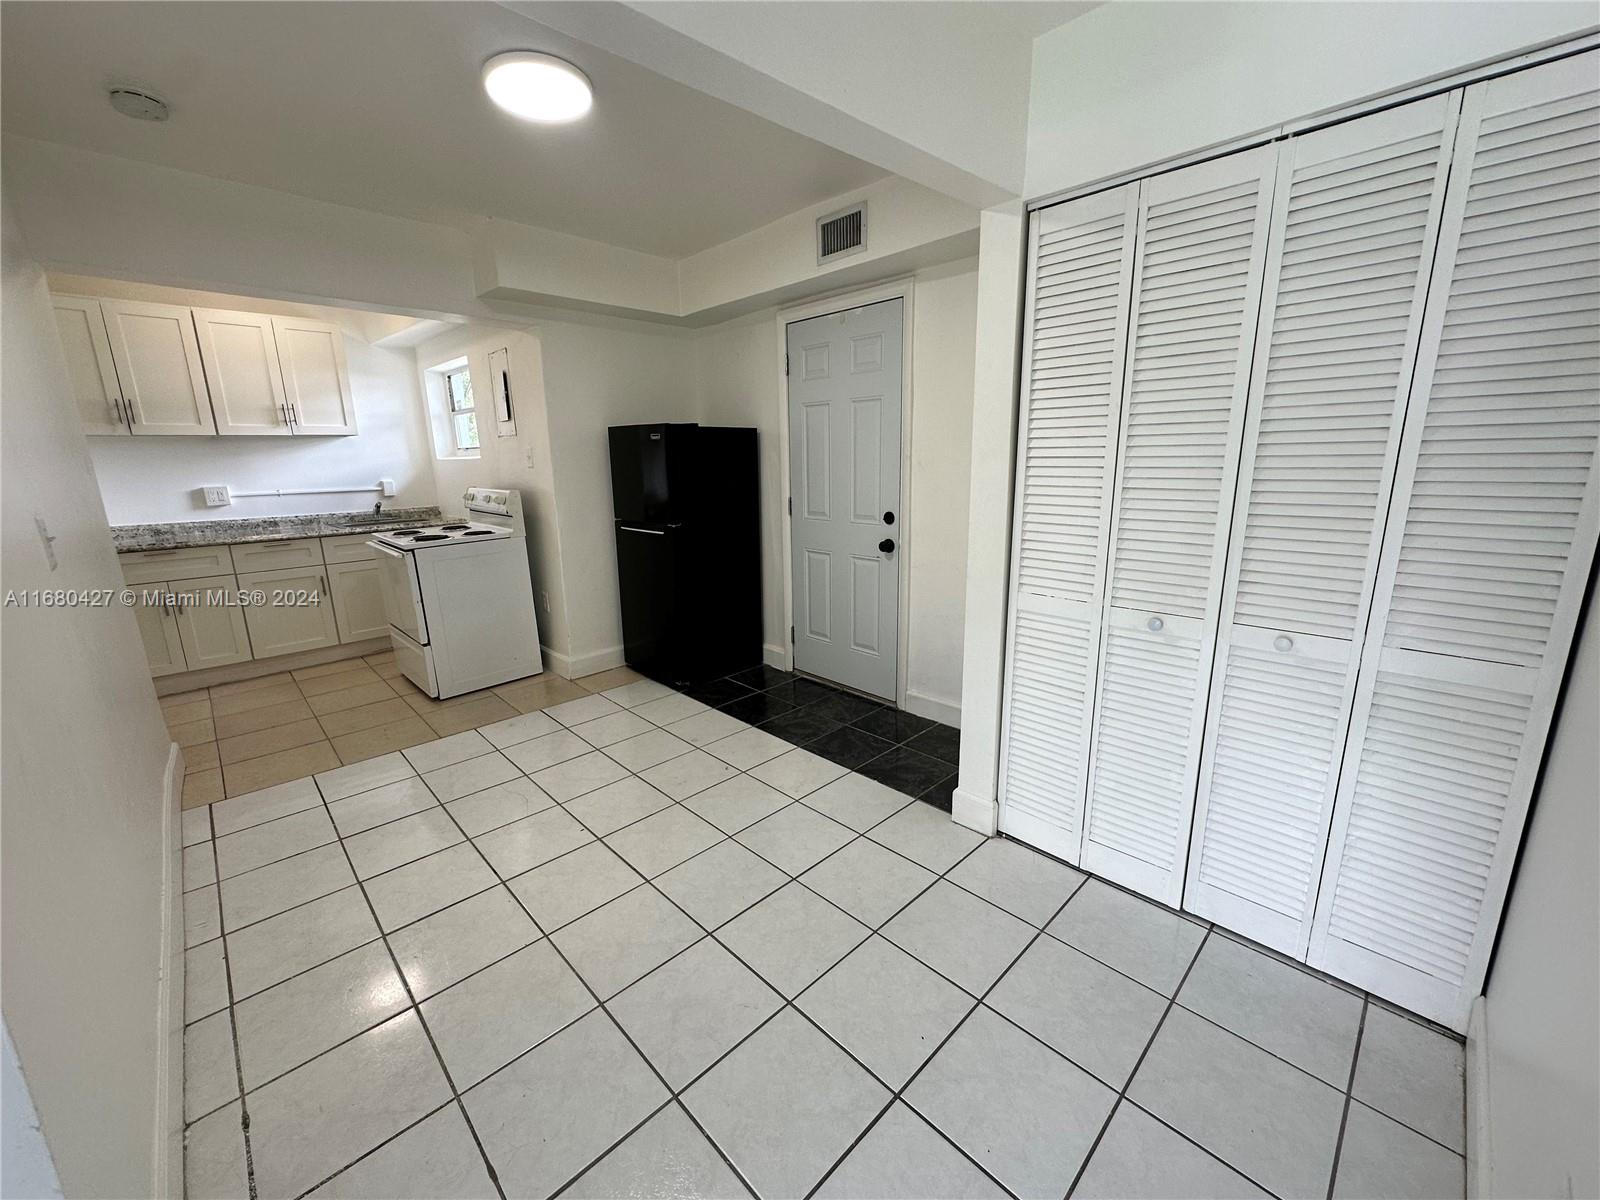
185	534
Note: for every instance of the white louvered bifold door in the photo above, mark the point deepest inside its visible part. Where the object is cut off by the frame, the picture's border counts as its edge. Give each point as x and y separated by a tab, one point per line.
1354	228
1202	240
1486	556
1080	266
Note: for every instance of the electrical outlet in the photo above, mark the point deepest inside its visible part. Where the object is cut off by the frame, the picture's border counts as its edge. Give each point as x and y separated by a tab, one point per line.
387	485
217	496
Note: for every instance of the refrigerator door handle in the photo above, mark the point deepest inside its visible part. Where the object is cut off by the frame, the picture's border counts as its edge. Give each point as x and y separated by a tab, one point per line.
636	529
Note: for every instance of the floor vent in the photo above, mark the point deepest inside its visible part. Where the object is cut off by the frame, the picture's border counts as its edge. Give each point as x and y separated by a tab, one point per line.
841	233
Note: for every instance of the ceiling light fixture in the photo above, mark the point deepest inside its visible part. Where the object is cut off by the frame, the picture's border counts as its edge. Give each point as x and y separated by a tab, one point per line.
537	87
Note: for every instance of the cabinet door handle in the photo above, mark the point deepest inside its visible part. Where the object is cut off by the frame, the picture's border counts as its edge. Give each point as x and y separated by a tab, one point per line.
1155	624
128	406
1283	642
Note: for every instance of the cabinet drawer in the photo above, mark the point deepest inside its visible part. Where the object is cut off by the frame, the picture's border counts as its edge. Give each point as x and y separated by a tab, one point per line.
161	566
347	547
276	556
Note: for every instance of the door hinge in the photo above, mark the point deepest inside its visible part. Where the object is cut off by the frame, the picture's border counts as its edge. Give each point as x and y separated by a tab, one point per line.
791	506
791	635
785	364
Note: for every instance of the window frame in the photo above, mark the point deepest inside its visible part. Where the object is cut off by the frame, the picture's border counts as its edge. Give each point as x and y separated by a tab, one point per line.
453	412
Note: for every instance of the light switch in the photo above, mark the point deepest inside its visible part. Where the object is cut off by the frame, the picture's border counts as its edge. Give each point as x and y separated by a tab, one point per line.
47	540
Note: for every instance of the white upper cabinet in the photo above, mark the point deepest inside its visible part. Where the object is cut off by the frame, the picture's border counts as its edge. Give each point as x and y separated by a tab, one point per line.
315	378
240	354
157	360
144	368
1081	273
1490	538
1354	226
1202	244
90	371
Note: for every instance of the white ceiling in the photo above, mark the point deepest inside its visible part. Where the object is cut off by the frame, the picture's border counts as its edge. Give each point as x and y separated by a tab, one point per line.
378	105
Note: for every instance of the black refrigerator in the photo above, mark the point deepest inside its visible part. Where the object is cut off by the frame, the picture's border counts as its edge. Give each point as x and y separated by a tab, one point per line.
688	525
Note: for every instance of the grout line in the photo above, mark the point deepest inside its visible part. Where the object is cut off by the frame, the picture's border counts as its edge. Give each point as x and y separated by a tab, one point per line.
1349	1090
1122	1092
233	1027
787	1003
422	1021
600	1004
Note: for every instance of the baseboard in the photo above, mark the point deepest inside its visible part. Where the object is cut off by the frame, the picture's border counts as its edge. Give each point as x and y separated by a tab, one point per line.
600	660
556	664
980	813
946	712
167	1174
776	657
1480	1146
188	681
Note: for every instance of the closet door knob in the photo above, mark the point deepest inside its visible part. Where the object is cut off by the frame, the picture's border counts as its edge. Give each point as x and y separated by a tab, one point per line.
1155	624
1283	642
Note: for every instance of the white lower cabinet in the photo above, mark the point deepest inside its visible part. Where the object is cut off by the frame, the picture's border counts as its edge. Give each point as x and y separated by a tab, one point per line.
298	612
210	623
158	629
357	589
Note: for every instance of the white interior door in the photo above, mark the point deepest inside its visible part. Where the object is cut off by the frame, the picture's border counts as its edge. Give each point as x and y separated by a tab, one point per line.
1490	539
1081	273
1201	253
158	366
844	481
1355	224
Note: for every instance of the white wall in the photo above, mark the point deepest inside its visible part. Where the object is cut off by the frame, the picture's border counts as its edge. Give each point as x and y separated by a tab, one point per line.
1126	85
523	462
95	215
942	346
155	479
992	436
596	376
1542	1019
25	1165
737	381
84	847
736	368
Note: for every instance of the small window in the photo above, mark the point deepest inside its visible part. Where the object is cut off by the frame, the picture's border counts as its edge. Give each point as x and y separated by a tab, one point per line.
463	416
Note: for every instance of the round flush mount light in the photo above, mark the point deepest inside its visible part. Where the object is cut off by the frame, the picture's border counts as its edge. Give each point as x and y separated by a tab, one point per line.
537	87
139	104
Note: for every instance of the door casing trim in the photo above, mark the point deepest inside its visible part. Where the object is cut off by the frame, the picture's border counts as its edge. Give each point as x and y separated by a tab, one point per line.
902	289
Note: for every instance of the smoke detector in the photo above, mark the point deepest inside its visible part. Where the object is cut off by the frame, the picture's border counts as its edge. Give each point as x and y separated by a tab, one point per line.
139	104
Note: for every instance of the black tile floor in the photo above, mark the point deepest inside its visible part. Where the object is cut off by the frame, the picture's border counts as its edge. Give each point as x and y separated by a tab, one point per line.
909	753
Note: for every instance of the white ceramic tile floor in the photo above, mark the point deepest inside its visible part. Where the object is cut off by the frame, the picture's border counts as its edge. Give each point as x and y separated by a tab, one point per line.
509	963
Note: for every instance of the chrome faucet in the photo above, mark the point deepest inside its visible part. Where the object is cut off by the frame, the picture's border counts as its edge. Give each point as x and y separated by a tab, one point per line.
377	510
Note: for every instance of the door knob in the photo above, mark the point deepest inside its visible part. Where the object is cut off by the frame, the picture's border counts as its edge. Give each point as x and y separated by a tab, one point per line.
887	545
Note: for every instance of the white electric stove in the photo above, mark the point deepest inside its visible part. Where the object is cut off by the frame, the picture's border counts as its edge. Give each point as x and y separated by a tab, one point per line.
459	597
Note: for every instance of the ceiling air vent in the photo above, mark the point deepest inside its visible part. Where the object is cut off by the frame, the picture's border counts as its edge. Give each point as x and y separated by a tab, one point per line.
841	233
